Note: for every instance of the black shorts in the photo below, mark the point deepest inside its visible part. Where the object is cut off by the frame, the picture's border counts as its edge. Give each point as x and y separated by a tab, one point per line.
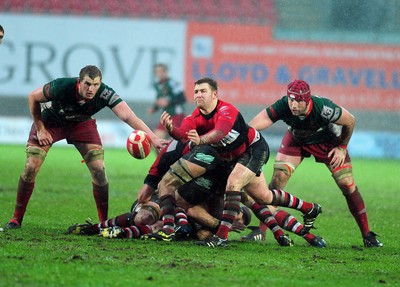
256	156
202	188
204	156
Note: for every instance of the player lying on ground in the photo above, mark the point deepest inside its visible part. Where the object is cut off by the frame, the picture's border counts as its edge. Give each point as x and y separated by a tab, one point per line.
317	127
63	109
222	139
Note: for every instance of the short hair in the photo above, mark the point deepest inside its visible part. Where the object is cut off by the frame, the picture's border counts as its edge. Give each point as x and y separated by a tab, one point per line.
1	29
91	71
213	83
161	65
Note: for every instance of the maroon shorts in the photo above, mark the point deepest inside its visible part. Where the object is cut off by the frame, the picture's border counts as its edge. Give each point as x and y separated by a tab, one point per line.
176	119
290	146
82	132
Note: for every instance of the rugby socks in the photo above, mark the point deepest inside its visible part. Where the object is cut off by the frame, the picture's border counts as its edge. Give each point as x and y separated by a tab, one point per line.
180	217
263	213
135	231
285	199
167	205
290	223
24	193
231	210
100	194
358	210
123	220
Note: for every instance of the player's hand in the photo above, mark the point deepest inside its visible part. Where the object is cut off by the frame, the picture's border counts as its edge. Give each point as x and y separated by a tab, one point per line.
166	121
237	226
44	137
158	143
338	156
194	137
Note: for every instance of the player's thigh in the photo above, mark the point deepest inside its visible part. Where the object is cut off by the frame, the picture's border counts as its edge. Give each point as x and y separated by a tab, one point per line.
239	177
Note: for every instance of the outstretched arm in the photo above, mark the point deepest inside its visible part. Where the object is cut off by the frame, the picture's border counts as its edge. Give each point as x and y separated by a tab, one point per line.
125	113
261	121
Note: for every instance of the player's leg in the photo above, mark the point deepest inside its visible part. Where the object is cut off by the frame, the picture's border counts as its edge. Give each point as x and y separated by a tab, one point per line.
264	214
190	166
35	156
343	177
290	223
93	155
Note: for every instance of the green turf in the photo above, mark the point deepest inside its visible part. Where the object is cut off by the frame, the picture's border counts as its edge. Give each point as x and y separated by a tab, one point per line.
41	254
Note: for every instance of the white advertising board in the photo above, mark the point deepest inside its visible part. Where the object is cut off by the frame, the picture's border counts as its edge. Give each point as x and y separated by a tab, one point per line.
38	49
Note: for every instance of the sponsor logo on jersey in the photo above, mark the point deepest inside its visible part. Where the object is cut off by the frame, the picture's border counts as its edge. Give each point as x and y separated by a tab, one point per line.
208	159
327	112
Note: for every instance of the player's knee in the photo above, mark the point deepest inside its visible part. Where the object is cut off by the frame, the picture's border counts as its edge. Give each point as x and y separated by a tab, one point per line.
284	169
282	172
344	179
93	155
35	157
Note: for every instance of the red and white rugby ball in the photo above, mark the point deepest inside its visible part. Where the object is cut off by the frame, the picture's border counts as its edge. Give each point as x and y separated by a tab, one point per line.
138	144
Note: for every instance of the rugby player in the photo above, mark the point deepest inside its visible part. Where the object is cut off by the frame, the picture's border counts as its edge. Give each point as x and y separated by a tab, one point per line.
220	138
321	128
63	109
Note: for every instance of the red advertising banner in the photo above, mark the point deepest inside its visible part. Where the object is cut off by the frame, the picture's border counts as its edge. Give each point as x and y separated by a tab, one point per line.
253	68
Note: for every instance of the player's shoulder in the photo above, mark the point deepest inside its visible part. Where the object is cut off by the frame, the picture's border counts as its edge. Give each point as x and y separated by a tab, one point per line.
223	106
325	107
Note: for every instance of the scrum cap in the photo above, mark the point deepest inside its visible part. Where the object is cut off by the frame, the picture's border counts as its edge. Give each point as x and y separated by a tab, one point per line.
299	90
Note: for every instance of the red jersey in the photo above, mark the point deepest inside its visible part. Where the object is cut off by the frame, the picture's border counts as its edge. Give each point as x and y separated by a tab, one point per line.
237	135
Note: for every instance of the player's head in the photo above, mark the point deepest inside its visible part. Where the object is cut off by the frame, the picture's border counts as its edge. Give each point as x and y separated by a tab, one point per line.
244	215
206	94
147	213
161	72
89	81
299	97
1	33
299	90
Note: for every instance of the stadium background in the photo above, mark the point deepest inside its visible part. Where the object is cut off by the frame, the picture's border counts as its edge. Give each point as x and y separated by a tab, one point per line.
348	51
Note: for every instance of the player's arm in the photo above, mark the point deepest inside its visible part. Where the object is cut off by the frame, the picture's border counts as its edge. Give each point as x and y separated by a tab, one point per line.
125	113
347	121
338	154
34	99
261	121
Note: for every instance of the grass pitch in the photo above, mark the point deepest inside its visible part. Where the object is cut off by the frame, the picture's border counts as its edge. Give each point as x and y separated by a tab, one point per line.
41	254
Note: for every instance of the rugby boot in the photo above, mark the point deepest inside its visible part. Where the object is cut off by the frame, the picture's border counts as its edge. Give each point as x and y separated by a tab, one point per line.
310	217
371	241
255	235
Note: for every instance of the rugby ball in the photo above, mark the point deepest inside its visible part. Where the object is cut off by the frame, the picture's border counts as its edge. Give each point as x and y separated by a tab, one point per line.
138	144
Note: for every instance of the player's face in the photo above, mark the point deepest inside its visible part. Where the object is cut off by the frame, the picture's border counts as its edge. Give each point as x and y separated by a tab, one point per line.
298	108
204	97
161	73
88	87
1	36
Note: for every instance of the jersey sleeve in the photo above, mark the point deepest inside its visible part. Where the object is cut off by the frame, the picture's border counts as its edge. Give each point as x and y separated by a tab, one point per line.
227	115
329	111
277	110
110	97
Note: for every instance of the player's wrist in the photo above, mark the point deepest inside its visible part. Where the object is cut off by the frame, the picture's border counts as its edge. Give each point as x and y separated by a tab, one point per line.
343	147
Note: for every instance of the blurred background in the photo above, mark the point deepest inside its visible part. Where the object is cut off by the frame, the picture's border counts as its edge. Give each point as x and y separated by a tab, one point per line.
348	51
